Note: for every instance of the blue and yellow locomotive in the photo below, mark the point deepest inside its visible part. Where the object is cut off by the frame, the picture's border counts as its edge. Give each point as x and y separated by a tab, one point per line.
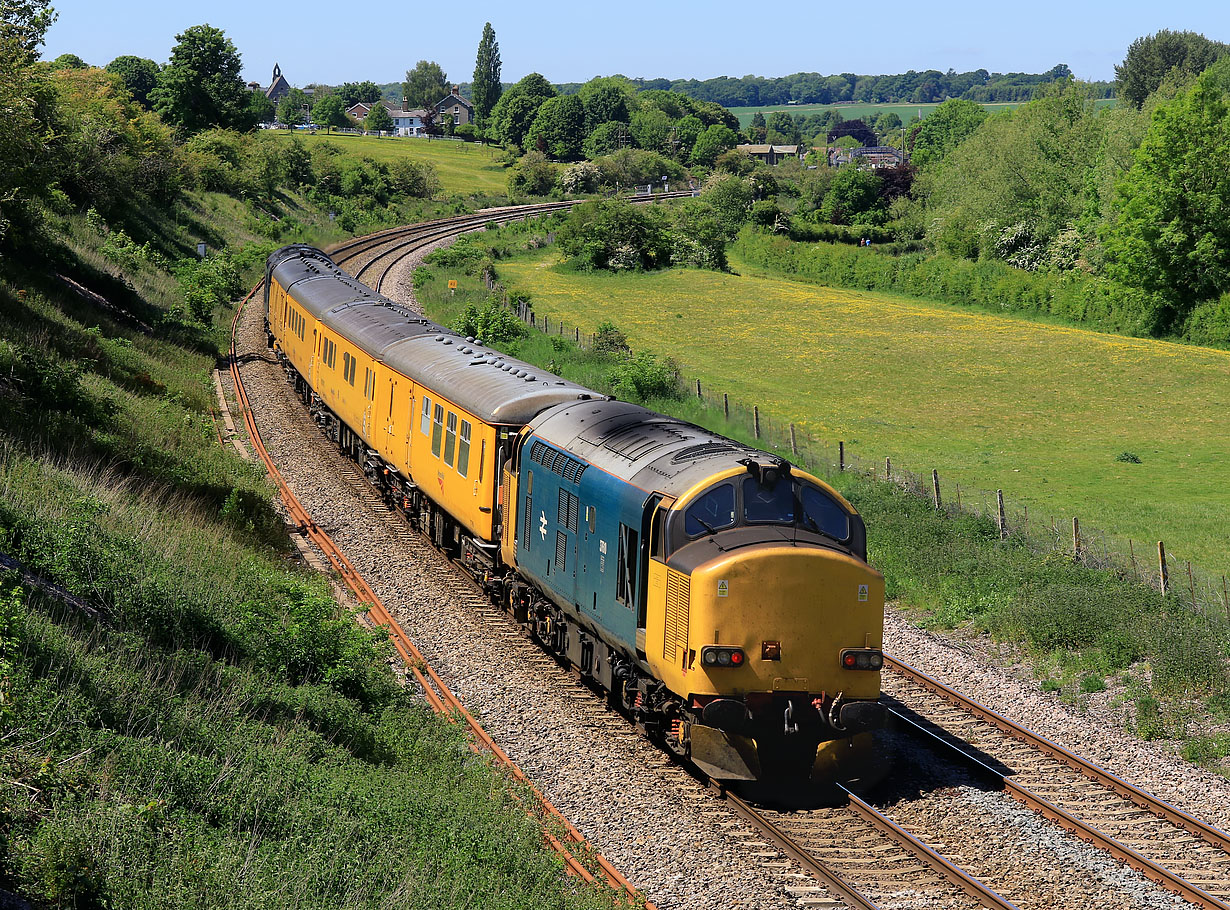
720	595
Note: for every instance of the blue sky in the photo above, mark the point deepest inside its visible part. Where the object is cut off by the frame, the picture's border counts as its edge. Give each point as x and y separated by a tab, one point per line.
328	42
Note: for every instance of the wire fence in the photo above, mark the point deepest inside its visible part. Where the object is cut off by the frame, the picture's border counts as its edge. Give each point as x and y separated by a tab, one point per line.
1148	563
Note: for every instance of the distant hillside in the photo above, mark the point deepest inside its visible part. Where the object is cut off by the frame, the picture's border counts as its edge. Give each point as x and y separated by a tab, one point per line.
905	88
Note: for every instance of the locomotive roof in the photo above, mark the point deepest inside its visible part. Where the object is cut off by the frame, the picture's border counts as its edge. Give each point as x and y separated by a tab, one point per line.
491	386
650	450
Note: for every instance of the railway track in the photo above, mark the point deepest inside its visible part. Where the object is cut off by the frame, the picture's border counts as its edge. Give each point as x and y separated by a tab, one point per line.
851	855
1169	847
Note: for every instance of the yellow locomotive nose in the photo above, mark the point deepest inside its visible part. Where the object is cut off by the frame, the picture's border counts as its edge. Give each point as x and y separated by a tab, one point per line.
792	611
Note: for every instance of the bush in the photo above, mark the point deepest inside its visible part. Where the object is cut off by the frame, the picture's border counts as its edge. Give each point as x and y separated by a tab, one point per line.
616	235
581	177
492	323
207	284
645	377
533	175
610	340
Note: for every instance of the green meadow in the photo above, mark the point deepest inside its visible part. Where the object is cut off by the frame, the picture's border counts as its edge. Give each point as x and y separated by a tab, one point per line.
1045	412
463	167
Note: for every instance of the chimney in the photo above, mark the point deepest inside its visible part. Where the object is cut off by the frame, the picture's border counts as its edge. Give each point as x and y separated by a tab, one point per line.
457	90
404	104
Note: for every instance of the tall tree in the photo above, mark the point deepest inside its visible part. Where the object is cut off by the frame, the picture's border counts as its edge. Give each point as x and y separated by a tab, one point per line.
514	113
944	129
1152	58
201	86
425	85
27	99
559	129
292	109
1172	237
352	93
139	74
23	25
329	112
378	119
486	89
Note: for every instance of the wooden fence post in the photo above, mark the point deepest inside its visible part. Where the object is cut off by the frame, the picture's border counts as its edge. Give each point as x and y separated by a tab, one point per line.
1132	553
577	337
794	446
888	469
593	340
1001	519
1225	598
544	325
935	487
698	395
841	455
1076	539
726	405
958	487
756	419
1163	572
1191	584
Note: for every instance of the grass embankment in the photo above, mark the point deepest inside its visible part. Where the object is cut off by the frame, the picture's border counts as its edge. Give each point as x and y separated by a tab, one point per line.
464	168
1084	630
1041	411
206	726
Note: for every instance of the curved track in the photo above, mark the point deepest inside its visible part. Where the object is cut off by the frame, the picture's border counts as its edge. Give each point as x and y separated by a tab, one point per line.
854	850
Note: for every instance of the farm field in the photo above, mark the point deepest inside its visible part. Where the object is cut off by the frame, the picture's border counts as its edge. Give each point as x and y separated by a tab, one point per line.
463	167
1041	411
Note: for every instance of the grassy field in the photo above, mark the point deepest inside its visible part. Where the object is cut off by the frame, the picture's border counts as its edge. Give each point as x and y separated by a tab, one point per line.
1041	411
463	167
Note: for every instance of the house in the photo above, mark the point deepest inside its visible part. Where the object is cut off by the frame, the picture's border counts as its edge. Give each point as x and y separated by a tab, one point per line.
771	154
876	156
406	122
453	105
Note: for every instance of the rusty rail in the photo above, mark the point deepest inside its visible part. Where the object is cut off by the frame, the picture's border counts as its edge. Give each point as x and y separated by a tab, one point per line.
437	693
1150	870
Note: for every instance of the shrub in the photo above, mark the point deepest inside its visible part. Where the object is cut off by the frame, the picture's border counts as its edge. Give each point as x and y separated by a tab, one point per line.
533	175
492	323
616	235
581	177
610	340
207	284
645	377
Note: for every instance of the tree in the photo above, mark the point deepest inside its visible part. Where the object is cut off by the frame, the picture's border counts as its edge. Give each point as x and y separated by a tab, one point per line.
353	93
533	175
944	129
614	234
514	113
607	99
687	130
559	128
68	62
378	119
1151	58
607	138
292	109
853	195
783	124
260	108
757	129
23	25
712	142
1172	237
651	129
856	129
329	112
201	86
485	89
425	85
139	74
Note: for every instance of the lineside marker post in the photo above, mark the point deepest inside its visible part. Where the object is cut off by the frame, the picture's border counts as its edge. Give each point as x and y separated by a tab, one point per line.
1002	520
1163	573
935	487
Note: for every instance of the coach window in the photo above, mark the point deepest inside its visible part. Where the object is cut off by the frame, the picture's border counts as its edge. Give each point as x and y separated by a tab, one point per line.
463	449
426	425
450	439
437	429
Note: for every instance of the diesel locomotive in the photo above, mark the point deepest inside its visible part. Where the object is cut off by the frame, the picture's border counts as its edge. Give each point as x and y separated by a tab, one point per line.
718	594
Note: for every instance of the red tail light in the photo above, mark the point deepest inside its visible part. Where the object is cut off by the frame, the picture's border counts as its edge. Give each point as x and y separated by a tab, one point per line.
862	659
713	656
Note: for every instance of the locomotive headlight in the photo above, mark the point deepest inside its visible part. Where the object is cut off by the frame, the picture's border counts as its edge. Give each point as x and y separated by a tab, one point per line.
715	656
862	659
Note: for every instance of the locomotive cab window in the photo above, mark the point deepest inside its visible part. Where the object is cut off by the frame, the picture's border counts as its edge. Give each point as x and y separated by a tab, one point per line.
822	513
765	503
712	511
